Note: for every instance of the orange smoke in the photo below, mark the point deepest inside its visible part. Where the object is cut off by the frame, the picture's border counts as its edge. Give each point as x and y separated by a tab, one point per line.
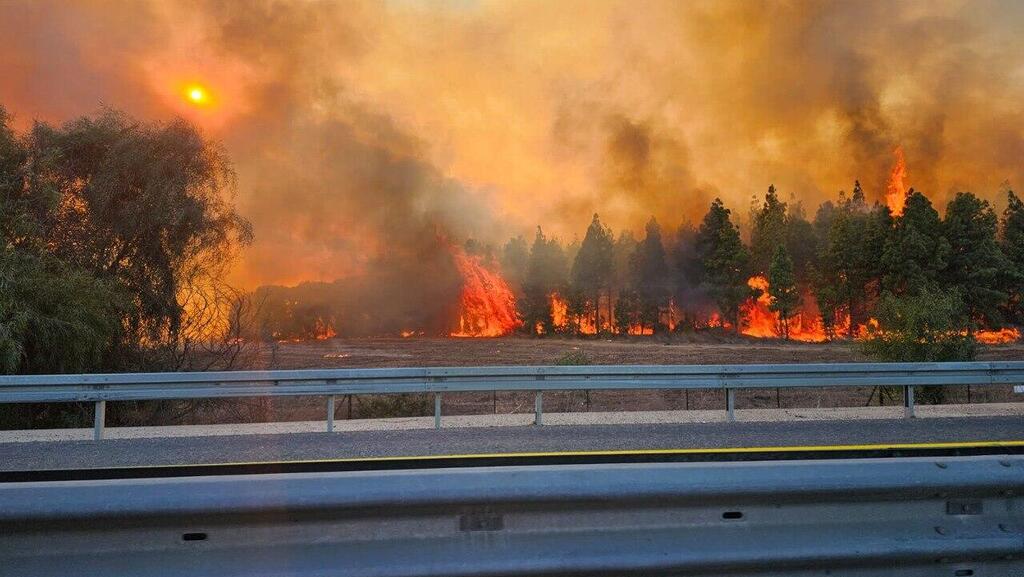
896	190
487	305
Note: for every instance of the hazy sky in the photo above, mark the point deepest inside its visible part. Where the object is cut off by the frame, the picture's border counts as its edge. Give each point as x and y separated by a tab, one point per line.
353	122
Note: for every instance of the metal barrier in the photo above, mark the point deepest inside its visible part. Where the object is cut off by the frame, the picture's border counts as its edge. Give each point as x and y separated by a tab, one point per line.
100	388
911	516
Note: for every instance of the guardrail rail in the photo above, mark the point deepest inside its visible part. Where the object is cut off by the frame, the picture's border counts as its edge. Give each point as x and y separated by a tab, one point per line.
911	516
100	388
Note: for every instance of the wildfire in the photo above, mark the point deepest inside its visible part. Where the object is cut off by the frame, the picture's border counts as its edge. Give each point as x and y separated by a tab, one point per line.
324	330
761	322
487	306
1002	336
895	192
559	310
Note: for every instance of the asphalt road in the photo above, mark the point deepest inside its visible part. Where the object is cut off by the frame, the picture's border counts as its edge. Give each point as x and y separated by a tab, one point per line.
461	441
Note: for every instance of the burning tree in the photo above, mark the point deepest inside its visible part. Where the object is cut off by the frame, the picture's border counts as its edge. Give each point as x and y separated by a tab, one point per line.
650	278
592	270
723	262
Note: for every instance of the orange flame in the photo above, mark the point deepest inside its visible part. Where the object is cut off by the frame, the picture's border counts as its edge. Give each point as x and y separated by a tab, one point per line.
1001	336
559	311
324	330
761	322
896	190
487	305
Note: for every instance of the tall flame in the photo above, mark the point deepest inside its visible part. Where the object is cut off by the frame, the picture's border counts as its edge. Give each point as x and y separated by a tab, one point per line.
896	190
487	305
559	311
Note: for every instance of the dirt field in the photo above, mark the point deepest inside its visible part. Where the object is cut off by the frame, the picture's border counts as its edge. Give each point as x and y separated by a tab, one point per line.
433	352
702	349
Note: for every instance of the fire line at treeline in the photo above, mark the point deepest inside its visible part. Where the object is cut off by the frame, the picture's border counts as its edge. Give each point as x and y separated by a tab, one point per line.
500	295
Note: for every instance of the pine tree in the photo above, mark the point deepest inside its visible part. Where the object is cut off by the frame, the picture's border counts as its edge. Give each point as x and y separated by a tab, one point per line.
785	297
515	257
916	253
650	274
850	238
723	262
545	274
976	264
622	276
767	232
801	242
1012	243
592	268
686	287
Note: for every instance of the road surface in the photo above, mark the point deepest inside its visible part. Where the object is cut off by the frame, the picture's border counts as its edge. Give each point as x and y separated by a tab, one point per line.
27	456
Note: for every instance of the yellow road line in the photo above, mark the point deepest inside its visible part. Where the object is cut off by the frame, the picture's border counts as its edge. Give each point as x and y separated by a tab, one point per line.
628	452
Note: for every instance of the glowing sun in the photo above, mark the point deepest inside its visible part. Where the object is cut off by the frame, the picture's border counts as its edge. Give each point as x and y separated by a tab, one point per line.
197	94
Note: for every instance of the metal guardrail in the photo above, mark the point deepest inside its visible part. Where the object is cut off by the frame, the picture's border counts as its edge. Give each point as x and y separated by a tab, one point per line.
919	516
100	388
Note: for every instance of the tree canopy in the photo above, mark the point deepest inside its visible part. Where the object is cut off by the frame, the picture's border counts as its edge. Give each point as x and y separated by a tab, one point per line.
115	219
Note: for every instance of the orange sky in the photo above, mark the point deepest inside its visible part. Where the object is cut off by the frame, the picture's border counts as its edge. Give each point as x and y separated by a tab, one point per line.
354	122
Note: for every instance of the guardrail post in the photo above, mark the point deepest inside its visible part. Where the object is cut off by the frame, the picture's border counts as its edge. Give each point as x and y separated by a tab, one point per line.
330	414
99	417
908	401
538	408
437	410
730	404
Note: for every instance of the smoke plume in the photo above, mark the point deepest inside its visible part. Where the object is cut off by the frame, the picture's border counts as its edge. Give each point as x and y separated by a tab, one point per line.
367	136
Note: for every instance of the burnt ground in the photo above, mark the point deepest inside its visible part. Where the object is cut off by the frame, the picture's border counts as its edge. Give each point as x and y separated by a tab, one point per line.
707	348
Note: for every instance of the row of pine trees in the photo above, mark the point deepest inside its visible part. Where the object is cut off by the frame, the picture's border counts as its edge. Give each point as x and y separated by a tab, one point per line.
848	259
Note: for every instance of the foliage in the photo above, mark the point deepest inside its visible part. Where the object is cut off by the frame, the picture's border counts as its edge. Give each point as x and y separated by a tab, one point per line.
142	208
801	241
650	277
515	257
592	267
920	328
113	235
767	232
54	318
976	264
574	358
723	261
916	252
391	406
785	297
626	313
850	237
1012	243
545	274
